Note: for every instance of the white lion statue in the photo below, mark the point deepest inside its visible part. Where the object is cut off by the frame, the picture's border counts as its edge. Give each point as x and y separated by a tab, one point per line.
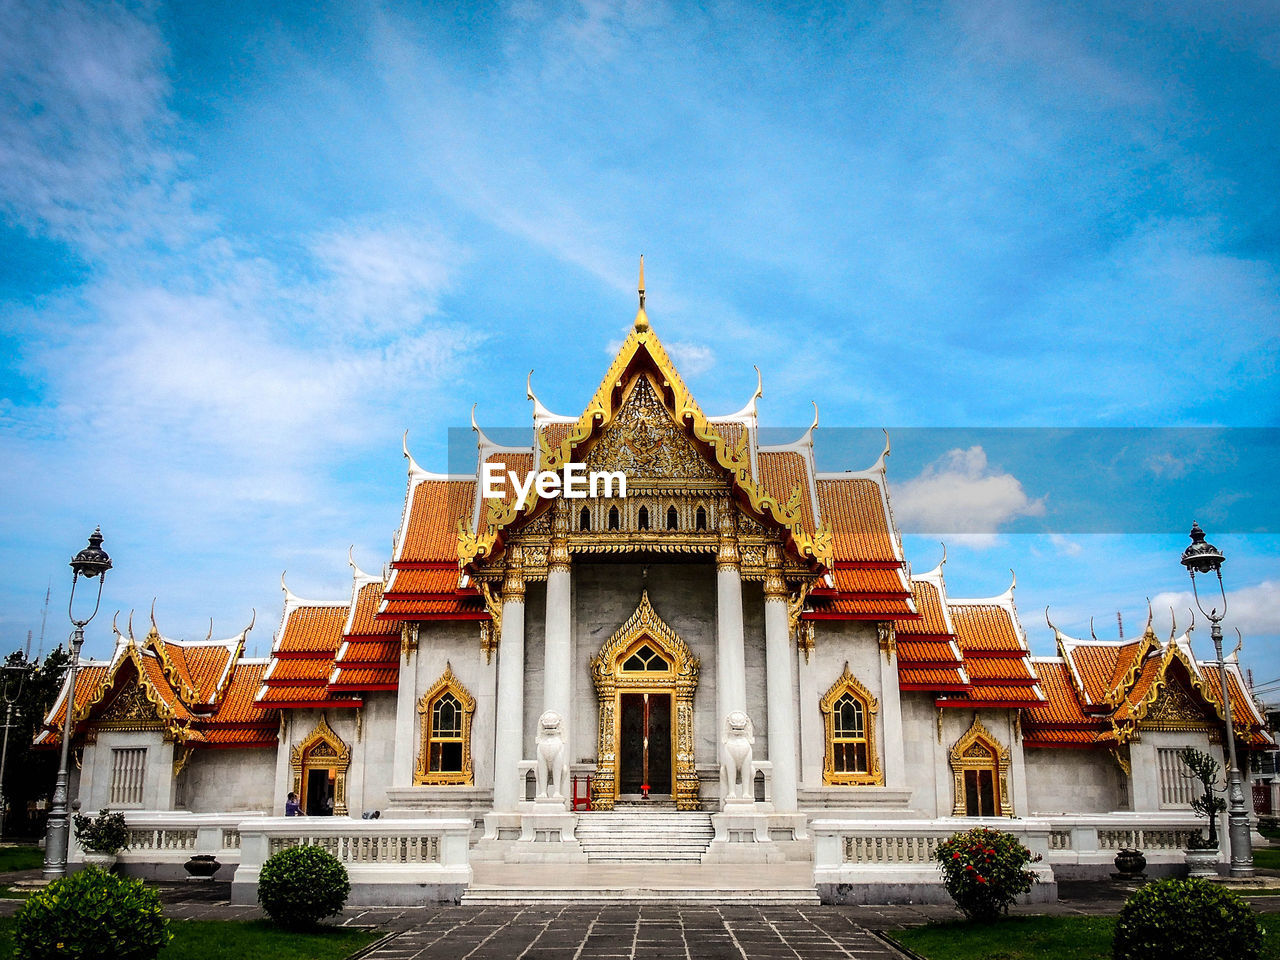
736	768
553	771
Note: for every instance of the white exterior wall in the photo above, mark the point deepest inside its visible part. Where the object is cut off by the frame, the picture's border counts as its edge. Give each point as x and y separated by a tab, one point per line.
1063	782
926	780
835	643
96	770
441	645
229	780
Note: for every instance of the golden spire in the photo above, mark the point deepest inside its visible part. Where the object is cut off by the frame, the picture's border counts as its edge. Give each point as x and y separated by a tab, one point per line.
642	318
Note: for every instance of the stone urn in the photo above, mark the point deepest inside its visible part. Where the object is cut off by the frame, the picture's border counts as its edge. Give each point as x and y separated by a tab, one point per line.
1201	862
202	866
103	861
1130	864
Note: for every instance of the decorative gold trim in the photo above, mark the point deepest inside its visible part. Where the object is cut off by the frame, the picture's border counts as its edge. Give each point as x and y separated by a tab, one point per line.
978	734
887	637
166	719
1126	729
448	683
611	682
490	630
848	683
337	760
642	345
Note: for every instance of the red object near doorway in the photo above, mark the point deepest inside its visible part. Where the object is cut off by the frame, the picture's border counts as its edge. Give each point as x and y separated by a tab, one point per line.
581	800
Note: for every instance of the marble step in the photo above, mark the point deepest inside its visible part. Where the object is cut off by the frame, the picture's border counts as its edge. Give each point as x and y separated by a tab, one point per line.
498	896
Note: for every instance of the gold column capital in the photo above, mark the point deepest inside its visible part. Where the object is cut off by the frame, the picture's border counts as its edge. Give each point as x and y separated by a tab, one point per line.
775	584
513	582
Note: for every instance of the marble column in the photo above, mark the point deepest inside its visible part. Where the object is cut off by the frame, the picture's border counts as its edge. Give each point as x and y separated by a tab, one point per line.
557	676
508	748
779	685
407	745
893	753
731	660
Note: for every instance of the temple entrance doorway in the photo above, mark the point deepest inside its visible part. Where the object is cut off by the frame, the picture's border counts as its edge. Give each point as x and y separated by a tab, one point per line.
645	678
644	747
319	799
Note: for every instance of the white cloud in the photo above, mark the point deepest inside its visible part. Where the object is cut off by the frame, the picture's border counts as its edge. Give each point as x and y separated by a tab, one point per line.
1254	610
1065	546
960	494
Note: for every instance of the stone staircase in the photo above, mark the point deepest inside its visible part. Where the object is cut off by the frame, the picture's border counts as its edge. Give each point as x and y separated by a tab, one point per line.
625	836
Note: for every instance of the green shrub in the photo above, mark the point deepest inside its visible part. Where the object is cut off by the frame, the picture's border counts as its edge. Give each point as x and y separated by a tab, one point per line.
984	870
300	886
91	915
105	833
1186	920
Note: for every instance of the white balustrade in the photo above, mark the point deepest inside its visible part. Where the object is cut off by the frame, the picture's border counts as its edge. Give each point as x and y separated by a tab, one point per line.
388	861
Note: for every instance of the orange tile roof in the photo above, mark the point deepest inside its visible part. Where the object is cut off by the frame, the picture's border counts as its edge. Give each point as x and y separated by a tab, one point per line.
1013	695
1243	712
464	608
237	704
883	581
932	620
987	627
927	651
555	433
197	667
300	670
89	678
312	629
364	622
302	696
369	651
1099	666
1061	737
365	678
854	608
153	672
781	472
409	582
924	678
854	510
431	531
999	669
1061	704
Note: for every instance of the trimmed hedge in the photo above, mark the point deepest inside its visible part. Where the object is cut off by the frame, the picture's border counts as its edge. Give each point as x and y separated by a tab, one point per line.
300	886
91	915
1186	920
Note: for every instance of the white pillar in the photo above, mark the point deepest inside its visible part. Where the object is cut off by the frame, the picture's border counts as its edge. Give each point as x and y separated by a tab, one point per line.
508	748
893	752
780	687
557	675
405	748
731	660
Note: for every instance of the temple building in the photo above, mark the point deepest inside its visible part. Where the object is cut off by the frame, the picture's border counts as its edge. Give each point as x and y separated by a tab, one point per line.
734	647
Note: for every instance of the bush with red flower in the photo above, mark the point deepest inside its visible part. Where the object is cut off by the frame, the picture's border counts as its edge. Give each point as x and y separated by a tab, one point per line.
985	870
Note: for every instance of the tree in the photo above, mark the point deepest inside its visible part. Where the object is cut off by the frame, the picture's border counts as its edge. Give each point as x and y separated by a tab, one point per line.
1205	769
29	774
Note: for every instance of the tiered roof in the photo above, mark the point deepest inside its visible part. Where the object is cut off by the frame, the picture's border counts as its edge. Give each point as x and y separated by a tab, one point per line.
201	692
1101	692
369	657
302	657
929	658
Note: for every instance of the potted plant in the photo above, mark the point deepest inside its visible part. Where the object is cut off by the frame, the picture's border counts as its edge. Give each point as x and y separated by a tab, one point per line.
101	837
1202	851
1130	864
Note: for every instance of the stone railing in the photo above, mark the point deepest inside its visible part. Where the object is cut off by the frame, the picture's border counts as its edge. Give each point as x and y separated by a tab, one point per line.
892	861
886	861
160	842
1085	846
390	862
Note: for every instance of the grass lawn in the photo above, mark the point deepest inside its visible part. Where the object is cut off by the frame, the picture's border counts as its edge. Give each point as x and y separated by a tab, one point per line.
1267	857
1032	938
20	858
235	940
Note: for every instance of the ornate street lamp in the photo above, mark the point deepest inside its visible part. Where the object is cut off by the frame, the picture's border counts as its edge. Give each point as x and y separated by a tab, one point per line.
1203	557
90	562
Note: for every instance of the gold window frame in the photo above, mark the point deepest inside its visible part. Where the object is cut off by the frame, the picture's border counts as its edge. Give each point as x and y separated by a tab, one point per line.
423	775
975	750
874	775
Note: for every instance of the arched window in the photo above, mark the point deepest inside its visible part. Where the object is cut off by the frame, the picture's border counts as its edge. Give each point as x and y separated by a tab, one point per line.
673	519
584	519
642	519
645	659
613	518
700	519
849	718
445	716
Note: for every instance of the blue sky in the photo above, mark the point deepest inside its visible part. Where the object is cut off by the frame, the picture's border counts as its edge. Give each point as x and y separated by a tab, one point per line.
244	247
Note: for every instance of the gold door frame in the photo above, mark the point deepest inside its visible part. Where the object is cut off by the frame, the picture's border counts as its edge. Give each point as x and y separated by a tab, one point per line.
322	749
990	754
611	682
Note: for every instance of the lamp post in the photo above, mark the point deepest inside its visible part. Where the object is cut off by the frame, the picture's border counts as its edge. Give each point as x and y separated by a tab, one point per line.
90	562
1202	557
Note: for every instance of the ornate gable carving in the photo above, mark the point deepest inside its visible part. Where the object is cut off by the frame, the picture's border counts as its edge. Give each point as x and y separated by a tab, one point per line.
131	709
647	444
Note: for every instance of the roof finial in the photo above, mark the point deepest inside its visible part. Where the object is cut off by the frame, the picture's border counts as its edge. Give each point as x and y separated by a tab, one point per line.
642	318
